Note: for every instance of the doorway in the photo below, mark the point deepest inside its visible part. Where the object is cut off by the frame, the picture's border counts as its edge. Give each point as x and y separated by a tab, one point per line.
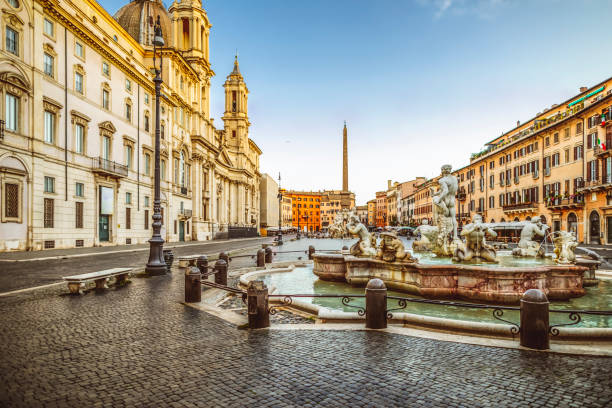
104	233
181	230
594	228
609	228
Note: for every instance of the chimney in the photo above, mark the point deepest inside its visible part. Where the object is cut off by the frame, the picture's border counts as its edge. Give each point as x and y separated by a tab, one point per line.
518	123
583	89
388	184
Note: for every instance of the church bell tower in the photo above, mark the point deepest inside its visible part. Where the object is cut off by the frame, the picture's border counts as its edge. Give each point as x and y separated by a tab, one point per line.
236	119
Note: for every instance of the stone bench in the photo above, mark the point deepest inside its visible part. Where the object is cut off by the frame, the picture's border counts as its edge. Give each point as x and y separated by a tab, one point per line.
77	282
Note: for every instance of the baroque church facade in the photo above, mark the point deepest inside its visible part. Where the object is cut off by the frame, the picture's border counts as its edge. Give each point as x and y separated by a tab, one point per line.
77	135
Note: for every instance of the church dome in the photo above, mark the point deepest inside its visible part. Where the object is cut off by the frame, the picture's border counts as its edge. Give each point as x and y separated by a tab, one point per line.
138	19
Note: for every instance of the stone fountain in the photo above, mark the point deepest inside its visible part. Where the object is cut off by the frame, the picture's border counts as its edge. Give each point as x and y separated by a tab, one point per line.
457	272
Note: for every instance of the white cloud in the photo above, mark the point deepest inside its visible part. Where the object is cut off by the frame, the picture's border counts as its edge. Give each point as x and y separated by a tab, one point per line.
480	8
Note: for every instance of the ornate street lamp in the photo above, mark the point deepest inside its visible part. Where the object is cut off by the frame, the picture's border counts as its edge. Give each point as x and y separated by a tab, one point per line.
156	264
279	237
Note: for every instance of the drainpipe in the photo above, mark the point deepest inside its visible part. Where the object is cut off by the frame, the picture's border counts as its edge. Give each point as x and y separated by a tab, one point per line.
66	112
138	151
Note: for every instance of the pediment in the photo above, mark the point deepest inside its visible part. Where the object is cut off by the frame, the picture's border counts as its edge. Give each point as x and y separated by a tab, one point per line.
107	126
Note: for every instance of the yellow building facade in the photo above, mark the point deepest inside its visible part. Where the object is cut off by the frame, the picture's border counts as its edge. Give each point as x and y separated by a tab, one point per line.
78	105
556	165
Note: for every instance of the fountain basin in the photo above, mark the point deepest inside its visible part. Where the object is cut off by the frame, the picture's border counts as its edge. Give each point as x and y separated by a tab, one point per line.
485	283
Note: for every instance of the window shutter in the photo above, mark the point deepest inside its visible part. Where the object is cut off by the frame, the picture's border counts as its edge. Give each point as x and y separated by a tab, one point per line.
589	142
596	164
589	171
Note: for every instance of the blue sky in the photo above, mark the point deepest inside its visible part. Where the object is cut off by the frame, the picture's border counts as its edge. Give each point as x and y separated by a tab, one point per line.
419	82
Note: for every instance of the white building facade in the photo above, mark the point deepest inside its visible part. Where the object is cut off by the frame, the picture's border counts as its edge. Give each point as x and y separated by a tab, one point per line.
78	134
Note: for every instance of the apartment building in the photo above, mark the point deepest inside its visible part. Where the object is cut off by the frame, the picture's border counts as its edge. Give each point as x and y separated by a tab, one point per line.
556	165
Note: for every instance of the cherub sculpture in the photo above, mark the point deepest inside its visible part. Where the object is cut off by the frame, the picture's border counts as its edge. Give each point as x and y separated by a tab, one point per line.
363	246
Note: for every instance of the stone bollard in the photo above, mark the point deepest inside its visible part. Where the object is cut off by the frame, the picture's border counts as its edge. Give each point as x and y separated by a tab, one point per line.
534	320
269	255
376	304
202	264
193	285
257	302
311	251
169	259
261	257
225	257
221	272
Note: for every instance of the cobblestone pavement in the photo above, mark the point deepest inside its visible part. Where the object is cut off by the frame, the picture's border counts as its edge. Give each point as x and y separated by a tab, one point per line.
19	275
138	346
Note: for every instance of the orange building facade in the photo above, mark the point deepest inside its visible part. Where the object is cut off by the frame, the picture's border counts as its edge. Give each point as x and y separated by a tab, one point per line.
556	165
381	209
306	210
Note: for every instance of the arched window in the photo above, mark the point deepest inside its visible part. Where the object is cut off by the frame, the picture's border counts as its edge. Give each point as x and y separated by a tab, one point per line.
516	219
528	218
492	221
147	125
503	220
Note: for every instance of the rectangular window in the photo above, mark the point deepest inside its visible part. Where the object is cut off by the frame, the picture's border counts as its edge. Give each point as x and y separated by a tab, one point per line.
78	82
48	27
146	201
128	218
79	138
566	133
49	127
128	198
578	152
48	213
105	99
147	163
162	170
128	156
79	190
547	141
556	138
106	147
591	140
128	112
11	112
146	98
128	85
79	215
146	123
11	200
578	128
105	68
146	219
49	184
12	41
79	50
48	64
567	155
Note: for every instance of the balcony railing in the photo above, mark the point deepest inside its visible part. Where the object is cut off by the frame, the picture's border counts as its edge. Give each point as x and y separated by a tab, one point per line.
567	202
101	165
599	152
599	183
529	205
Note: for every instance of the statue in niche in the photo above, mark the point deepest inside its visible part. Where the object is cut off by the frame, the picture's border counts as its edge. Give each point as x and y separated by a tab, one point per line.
429	235
527	246
363	246
444	214
475	245
565	245
391	249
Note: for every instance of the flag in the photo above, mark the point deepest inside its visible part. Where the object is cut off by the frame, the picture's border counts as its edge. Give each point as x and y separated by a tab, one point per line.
601	145
603	119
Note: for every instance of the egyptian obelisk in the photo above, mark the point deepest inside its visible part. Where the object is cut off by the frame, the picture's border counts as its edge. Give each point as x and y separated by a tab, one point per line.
344	159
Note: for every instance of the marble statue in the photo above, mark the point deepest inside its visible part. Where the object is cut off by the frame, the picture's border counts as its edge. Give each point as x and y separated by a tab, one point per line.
527	246
391	249
444	214
429	235
565	245
475	245
336	230
363	246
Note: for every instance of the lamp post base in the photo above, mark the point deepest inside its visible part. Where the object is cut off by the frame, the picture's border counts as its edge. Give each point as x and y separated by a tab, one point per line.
156	264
